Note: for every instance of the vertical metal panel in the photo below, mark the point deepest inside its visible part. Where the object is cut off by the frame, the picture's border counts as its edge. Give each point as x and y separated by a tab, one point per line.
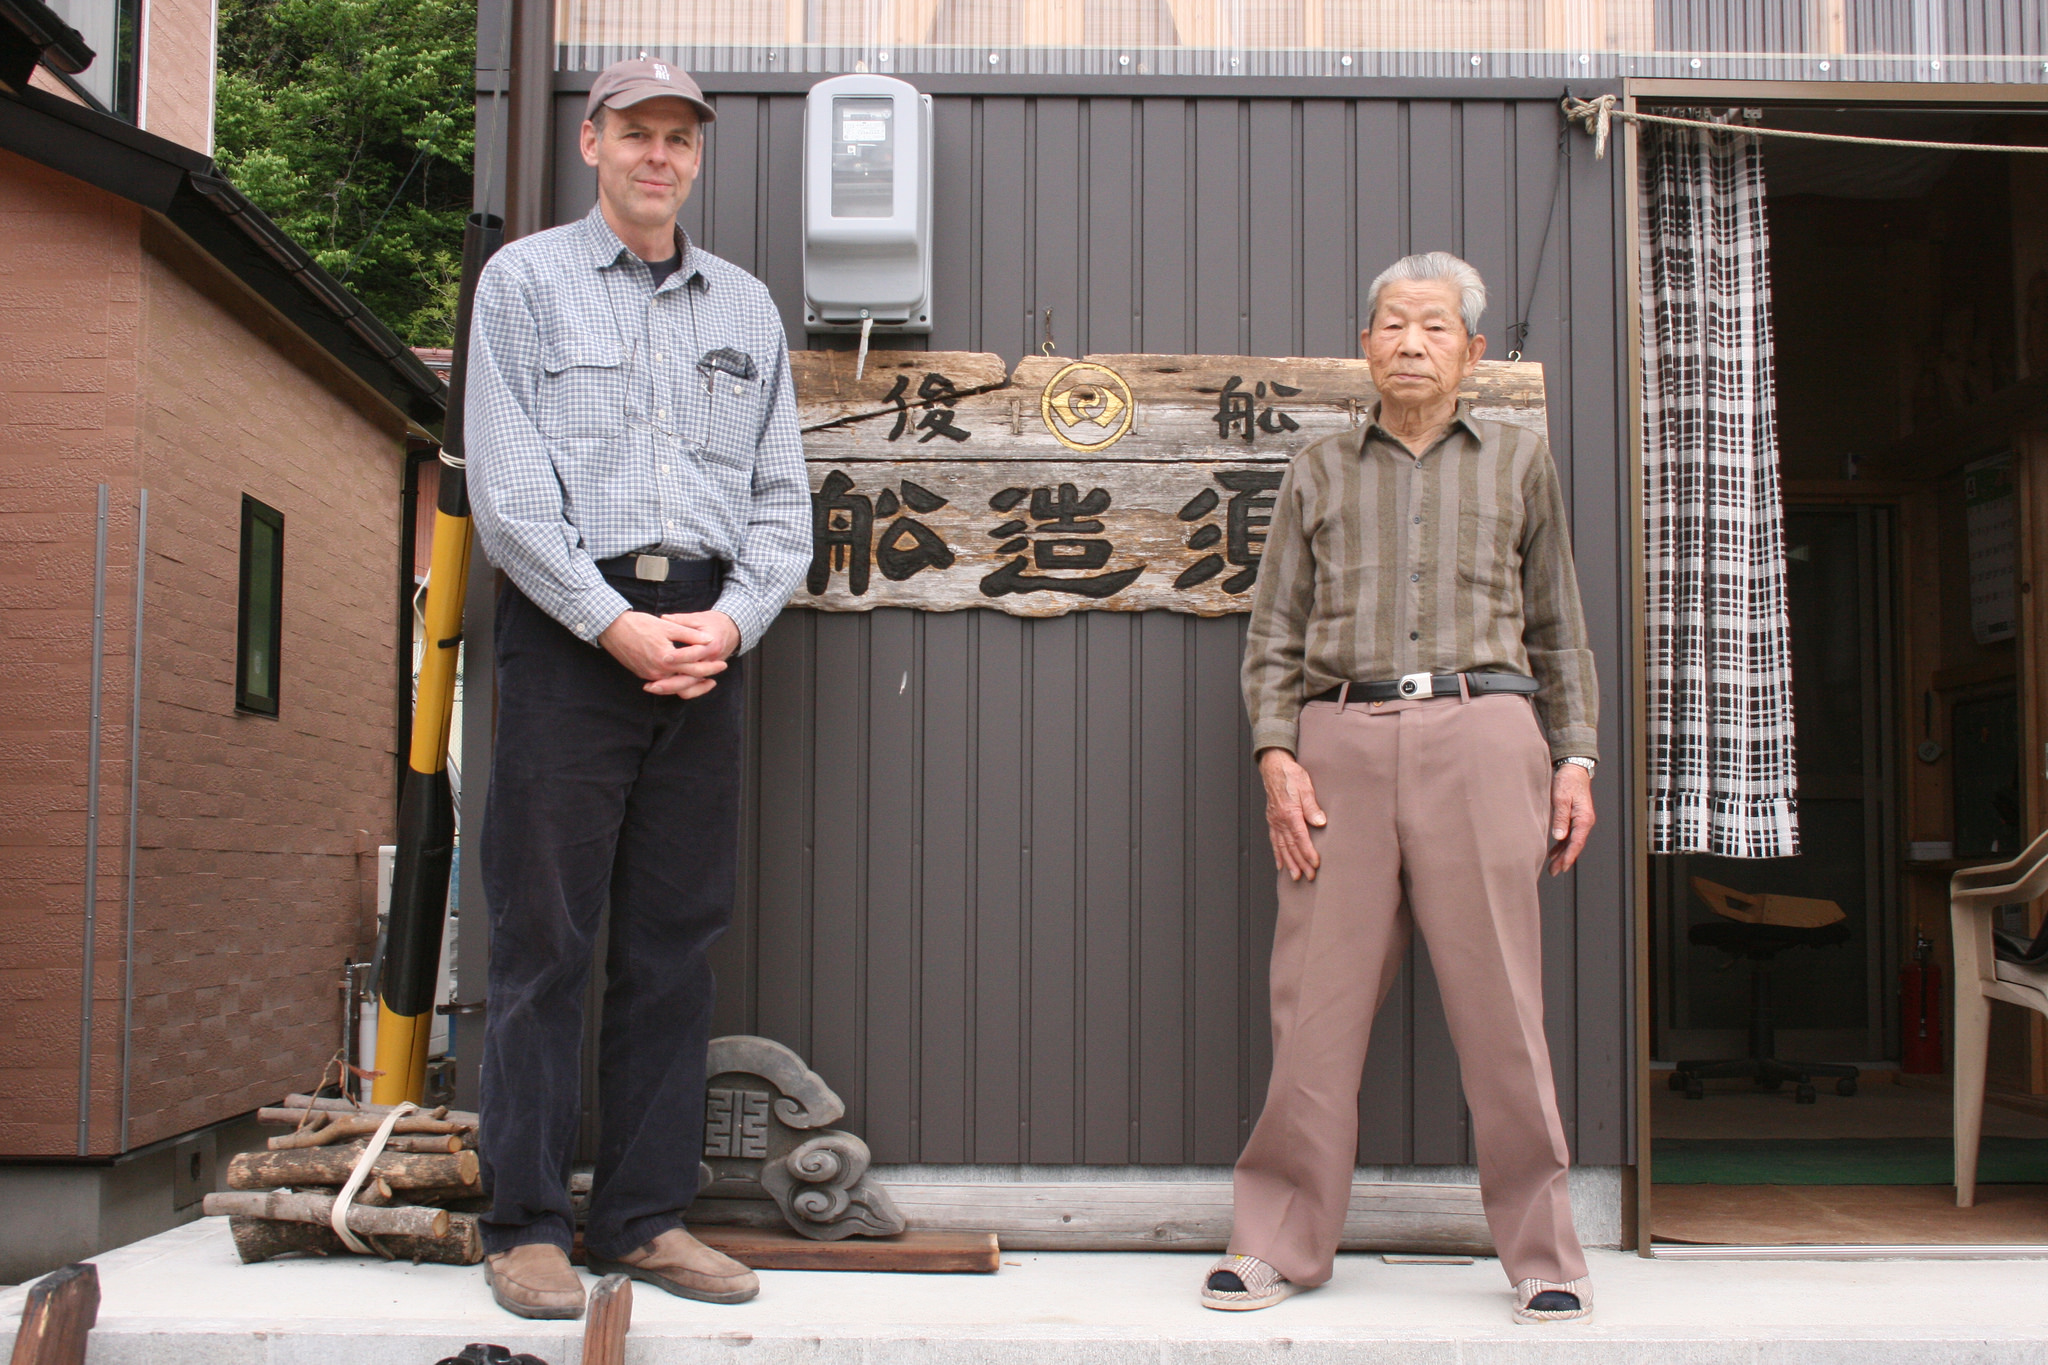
1588	413
944	989
1216	213
1001	1021
1005	233
1329	230
892	847
1110	301
1734	25
1166	999
1166	225
1054	775
956	217
1008	887
1107	819
1271	197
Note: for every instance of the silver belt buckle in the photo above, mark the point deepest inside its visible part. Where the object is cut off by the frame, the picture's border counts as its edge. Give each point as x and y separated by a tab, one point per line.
1418	685
652	568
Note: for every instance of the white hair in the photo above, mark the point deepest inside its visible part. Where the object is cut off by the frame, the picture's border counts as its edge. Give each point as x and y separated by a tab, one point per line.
1434	265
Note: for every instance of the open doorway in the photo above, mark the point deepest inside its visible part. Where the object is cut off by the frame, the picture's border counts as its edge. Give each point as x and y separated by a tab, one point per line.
1909	302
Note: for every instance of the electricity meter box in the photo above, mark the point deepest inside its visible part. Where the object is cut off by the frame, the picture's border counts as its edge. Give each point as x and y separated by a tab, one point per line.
867	205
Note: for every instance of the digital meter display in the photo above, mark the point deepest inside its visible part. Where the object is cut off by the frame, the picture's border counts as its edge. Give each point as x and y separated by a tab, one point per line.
863	157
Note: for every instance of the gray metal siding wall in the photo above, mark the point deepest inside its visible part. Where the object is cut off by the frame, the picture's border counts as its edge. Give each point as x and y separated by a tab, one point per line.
1007	885
1734	26
2013	28
2010	28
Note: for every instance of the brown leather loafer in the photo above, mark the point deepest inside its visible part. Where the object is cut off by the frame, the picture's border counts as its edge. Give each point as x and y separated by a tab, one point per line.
535	1281
685	1267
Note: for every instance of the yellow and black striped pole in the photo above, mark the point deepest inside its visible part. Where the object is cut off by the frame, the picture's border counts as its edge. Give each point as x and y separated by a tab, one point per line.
411	961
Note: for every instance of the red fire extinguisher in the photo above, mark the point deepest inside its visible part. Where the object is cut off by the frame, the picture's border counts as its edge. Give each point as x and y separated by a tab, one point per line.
1920	1011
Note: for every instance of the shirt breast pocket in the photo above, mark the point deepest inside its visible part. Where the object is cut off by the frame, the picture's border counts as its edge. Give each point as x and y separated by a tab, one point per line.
582	392
733	430
1489	551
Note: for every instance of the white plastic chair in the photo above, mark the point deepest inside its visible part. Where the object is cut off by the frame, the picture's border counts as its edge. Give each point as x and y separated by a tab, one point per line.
1974	895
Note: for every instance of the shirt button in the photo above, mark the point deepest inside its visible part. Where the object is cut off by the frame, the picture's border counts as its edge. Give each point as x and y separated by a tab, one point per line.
1418	521
1415	635
659	356
1415	578
664	469
660	414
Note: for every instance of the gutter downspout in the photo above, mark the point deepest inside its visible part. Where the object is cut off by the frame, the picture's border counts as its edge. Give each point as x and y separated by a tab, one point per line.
529	118
134	804
92	829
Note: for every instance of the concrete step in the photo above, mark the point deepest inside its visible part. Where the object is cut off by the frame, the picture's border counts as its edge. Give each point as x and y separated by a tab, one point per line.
181	1298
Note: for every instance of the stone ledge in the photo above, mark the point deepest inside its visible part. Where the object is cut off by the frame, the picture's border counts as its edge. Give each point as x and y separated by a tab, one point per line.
181	1299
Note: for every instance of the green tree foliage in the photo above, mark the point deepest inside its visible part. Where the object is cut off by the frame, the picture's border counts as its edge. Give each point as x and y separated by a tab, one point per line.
352	124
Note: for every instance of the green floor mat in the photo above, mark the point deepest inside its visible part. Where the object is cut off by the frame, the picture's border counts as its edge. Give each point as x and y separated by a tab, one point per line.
1841	1161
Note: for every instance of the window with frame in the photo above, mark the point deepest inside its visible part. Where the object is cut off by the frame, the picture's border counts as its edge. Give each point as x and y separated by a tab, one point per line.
111	29
261	617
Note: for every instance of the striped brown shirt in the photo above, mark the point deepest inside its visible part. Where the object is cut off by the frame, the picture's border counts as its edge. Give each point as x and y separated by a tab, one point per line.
1380	563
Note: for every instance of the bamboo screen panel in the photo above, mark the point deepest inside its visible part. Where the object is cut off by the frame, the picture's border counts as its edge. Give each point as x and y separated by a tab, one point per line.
1935	40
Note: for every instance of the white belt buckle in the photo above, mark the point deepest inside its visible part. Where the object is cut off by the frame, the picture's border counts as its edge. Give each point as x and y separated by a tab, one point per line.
1418	685
652	568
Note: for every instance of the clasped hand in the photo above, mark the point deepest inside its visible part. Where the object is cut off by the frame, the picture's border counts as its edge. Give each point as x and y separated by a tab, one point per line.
679	655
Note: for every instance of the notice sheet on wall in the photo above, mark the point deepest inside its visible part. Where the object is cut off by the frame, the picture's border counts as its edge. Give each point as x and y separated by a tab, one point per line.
1992	514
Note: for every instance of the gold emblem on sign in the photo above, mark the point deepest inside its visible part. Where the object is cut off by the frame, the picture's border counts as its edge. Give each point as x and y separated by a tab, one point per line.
1087	407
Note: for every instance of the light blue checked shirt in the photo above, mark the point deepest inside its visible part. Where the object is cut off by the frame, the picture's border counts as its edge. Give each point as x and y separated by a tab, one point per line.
594	431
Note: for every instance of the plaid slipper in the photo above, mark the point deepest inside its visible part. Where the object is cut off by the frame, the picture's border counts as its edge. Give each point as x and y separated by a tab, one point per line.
1528	1291
1260	1285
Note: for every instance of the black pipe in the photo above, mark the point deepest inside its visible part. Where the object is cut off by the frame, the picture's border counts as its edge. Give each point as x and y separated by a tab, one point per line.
529	120
411	956
417	453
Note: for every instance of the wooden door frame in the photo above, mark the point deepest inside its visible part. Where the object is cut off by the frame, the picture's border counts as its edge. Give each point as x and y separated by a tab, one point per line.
2032	490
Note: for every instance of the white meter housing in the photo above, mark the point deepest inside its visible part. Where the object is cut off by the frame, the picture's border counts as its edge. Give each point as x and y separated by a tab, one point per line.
867	205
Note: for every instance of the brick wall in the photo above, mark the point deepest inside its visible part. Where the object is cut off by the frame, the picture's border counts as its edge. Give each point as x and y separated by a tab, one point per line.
177	84
129	364
69	312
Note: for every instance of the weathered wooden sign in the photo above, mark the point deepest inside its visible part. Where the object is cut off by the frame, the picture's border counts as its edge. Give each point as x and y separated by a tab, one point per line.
1113	482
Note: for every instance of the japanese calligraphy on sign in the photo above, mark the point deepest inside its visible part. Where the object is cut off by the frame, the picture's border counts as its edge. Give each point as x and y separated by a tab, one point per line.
1114	482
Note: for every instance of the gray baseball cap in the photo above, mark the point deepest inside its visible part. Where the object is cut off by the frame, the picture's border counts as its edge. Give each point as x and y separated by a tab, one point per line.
627	83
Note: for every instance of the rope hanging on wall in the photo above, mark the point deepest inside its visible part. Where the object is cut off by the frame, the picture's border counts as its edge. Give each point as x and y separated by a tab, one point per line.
1597	115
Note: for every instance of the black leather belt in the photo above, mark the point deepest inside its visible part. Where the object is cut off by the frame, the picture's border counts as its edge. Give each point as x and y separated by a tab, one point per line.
660	569
1417	685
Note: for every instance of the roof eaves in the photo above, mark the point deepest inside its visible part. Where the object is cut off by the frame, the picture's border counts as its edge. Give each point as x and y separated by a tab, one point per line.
186	188
31	31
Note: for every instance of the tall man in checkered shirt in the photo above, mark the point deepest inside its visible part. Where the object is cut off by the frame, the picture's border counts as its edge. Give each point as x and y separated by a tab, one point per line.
637	474
1424	711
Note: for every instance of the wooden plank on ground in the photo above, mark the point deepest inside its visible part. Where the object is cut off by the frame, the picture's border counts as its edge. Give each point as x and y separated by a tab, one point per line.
918	1251
61	1310
608	1316
1186	1215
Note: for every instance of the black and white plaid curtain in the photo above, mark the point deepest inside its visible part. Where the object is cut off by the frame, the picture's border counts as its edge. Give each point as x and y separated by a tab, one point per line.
1722	774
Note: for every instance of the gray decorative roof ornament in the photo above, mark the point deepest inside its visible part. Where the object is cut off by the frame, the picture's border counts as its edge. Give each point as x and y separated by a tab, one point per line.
769	1157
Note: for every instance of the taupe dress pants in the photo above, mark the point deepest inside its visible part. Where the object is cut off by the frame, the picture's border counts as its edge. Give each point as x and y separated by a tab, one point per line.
1439	815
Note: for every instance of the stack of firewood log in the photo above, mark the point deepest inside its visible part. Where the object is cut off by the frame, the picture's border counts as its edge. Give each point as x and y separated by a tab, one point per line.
419	1201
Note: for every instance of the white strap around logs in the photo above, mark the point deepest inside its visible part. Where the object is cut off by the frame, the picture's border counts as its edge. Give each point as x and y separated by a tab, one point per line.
339	1217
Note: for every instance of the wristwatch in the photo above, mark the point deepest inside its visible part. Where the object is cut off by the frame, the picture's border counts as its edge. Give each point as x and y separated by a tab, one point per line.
1585	763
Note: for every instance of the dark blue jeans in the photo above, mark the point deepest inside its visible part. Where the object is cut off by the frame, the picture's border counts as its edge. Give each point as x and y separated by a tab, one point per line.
601	792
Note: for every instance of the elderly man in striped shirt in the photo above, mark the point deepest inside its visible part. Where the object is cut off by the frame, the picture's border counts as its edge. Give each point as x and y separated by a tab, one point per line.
1424	710
637	474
